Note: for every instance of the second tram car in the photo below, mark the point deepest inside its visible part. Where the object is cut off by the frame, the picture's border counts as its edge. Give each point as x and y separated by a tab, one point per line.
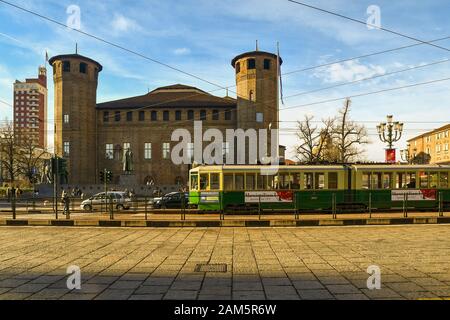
320	188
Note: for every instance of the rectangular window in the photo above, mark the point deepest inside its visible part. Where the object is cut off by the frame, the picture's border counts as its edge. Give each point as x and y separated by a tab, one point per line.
66	149
147	151
387	178
433	180
194	182
83	67
309	181
366	181
424	179
259	117
109	152
250	181
225	148
141	115
215	115
166	150
66	66
238	67
251	64
177	115
332	181
190	151
443	180
228	182
228	115
204	182
376	181
266	64
117	116
239	181
319	181
130	116
191	115
154	115
66	118
215	181
203	115
166	116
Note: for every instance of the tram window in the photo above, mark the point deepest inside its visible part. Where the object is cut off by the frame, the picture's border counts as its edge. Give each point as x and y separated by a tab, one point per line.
423	179
270	183
284	181
400	182
260	181
387	178
204	182
319	181
194	182
249	181
239	182
309	181
228	182
443	180
295	181
366	181
332	180
411	180
376	180
433	180
215	181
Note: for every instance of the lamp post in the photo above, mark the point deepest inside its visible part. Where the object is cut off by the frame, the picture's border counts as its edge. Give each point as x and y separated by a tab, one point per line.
390	133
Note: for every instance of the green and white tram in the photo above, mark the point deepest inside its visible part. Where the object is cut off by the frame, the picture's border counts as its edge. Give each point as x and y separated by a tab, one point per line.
319	188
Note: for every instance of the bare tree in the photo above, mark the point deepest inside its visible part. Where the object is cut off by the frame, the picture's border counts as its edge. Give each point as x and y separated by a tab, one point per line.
348	136
313	140
20	156
30	159
8	152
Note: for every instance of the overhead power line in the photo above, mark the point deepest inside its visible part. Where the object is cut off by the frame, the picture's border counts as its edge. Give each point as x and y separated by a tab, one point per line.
368	24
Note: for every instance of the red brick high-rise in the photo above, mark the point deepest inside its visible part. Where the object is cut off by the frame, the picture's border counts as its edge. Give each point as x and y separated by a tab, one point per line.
30	109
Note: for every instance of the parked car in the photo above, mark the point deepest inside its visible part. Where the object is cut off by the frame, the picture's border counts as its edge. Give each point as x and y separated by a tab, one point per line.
121	201
174	200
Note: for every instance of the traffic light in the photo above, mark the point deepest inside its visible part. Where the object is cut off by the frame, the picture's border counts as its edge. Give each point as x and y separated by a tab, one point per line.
109	176
102	176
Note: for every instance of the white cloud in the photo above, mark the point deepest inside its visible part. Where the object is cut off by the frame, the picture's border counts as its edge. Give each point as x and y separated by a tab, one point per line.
181	51
348	71
121	23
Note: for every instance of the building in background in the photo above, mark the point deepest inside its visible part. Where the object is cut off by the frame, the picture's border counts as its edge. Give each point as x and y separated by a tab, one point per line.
95	136
431	147
30	109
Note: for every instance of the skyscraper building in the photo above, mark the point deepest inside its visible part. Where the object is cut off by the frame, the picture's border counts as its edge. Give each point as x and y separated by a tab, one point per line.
30	109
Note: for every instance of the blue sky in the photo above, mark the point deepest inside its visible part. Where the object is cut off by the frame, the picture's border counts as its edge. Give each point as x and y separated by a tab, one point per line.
202	36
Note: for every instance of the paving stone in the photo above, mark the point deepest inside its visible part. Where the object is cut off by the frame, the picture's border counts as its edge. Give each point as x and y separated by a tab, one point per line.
114	294
305	285
147	297
181	295
320	294
248	295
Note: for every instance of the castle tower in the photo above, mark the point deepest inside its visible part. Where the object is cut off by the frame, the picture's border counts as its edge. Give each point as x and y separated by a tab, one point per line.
257	89
76	78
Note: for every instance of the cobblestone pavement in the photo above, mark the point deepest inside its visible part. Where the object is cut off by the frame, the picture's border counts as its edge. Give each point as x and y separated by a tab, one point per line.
271	263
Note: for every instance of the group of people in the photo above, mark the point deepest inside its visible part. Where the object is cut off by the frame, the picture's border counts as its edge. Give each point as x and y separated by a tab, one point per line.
13	192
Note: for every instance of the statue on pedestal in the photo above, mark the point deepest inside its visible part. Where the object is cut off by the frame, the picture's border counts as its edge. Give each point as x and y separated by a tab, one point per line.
128	161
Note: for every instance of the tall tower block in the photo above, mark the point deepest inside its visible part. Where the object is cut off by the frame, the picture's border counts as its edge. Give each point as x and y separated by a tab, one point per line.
76	78
257	89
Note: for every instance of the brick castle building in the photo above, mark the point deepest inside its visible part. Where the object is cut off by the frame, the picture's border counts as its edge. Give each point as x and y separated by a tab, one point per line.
95	136
30	109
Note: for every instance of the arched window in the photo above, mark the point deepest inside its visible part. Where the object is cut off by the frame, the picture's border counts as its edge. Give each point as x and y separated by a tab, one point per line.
251	96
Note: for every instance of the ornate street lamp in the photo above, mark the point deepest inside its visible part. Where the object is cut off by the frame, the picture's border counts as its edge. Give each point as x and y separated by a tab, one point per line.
390	133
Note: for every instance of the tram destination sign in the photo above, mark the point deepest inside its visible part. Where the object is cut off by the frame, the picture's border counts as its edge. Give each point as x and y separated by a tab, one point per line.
414	195
269	196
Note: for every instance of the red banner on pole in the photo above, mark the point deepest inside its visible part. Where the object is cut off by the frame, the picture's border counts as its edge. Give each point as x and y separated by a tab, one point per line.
391	156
